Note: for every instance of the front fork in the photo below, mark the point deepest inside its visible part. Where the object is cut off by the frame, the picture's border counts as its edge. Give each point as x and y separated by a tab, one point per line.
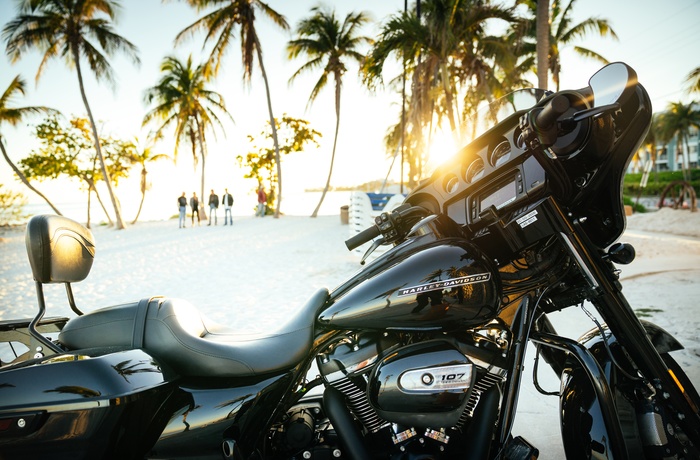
605	293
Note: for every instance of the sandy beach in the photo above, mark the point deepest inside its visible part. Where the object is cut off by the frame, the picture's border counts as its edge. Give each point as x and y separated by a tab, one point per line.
254	274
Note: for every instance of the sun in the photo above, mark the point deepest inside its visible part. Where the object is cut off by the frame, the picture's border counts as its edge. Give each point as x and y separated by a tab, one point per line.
442	147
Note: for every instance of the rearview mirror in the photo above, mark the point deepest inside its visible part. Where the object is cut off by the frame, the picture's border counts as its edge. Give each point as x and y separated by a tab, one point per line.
613	83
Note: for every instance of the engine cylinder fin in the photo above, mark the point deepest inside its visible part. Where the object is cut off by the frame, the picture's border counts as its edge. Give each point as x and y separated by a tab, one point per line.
359	405
480	386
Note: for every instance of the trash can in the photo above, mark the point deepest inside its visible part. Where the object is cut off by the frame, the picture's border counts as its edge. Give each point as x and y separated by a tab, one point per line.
345	215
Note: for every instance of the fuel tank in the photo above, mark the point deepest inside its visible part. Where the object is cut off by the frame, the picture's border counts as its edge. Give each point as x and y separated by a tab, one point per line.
431	285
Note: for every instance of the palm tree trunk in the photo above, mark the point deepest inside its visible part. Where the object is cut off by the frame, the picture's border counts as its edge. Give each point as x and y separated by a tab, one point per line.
87	224
203	151
98	148
335	143
542	46
449	102
143	194
278	159
24	180
104	209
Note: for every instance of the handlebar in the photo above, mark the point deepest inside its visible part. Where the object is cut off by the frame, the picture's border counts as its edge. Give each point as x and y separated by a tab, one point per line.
539	125
393	226
361	238
547	117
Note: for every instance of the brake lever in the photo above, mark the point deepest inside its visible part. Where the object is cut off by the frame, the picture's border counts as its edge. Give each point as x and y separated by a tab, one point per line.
375	244
569	124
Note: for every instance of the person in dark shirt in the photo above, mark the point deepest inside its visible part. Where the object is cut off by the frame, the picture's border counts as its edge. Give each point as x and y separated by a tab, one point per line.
194	204
213	206
182	207
227	201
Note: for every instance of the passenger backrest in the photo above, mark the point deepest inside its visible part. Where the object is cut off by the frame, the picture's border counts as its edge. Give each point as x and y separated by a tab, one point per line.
60	250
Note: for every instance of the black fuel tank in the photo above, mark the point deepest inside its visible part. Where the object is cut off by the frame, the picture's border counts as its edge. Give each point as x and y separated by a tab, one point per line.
447	284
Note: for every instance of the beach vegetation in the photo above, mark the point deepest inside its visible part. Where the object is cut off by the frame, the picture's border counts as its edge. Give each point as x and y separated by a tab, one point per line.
11	207
658	181
145	155
76	31
328	44
185	103
223	18
450	64
14	115
693	81
677	121
294	135
67	150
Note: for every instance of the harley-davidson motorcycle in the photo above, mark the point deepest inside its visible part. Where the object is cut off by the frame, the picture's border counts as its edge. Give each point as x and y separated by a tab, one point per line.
419	355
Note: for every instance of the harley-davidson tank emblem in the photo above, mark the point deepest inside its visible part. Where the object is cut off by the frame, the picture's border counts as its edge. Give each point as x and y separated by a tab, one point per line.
445	284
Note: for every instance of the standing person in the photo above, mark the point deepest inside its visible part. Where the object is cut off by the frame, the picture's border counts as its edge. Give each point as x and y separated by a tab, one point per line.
227	201
182	206
194	204
213	206
262	200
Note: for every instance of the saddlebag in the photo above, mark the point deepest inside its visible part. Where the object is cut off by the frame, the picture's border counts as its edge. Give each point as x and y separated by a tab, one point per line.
89	404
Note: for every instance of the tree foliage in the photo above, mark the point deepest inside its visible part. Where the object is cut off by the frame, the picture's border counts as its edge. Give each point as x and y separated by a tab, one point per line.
11	207
328	44
221	20
294	135
73	30
67	150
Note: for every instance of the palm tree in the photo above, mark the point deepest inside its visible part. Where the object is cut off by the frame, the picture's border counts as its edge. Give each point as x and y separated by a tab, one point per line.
677	121
327	43
447	52
143	156
65	28
563	33
183	101
220	25
693	81
13	116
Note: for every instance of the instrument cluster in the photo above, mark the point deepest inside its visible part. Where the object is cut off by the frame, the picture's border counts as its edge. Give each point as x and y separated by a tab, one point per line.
488	172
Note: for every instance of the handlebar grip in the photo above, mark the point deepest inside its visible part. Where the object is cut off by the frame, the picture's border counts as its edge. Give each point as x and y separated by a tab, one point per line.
551	111
362	237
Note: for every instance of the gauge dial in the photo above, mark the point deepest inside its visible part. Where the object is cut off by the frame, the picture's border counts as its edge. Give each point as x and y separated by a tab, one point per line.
500	154
475	171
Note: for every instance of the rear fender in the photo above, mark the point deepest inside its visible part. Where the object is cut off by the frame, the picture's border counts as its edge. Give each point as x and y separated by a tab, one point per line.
585	432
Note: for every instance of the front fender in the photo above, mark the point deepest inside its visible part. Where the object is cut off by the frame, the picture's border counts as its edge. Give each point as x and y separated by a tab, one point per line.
585	432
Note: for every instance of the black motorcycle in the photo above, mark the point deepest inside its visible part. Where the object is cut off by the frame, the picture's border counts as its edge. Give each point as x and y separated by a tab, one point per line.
419	355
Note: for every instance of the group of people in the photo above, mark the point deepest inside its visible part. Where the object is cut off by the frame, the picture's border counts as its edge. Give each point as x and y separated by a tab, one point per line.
226	201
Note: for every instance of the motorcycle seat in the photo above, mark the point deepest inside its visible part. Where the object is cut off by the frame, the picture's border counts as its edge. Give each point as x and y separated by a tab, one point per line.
179	336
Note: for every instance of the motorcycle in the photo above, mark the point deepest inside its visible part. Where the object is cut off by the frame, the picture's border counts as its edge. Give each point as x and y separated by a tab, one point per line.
419	355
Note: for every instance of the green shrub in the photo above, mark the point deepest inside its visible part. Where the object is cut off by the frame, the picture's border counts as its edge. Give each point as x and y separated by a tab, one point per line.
658	181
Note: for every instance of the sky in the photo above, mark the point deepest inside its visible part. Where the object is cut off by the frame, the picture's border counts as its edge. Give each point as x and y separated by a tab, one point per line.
660	40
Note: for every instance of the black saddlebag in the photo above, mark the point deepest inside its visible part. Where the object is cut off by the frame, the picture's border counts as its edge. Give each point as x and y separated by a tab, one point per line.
104	403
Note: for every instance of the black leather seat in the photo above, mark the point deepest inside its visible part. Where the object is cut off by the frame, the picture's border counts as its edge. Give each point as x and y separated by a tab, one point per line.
177	334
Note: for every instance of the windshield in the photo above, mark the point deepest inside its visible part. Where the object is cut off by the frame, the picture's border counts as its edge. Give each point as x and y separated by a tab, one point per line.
489	114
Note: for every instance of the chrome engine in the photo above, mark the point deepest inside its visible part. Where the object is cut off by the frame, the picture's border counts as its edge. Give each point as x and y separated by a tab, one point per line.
421	392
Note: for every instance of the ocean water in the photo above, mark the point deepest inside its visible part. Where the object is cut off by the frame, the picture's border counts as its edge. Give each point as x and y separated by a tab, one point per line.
155	209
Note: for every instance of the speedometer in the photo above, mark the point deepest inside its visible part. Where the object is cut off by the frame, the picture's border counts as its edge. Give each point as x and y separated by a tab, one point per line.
475	171
500	154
